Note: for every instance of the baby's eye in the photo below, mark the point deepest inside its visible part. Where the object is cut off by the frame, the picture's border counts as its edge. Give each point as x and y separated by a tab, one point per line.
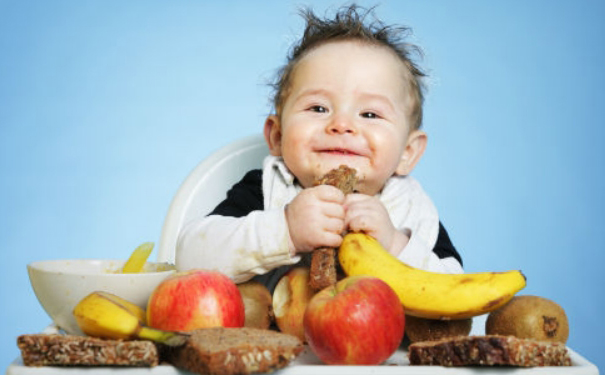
370	115
318	109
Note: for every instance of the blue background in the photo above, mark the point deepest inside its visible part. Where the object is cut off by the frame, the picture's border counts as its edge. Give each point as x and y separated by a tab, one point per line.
106	106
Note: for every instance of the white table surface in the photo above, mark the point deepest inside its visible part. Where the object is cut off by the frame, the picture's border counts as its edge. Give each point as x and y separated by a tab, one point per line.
307	363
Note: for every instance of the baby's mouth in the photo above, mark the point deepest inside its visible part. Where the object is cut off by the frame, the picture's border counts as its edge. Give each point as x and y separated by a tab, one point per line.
339	151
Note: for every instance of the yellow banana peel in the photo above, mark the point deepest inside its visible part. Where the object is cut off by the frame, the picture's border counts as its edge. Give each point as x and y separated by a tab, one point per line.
138	258
428	294
133	308
105	315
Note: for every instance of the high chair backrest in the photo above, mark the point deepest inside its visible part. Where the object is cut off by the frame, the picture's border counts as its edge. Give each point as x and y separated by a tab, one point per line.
207	185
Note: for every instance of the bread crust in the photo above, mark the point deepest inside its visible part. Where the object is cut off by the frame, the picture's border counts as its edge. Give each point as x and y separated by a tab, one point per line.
323	271
488	350
227	351
71	350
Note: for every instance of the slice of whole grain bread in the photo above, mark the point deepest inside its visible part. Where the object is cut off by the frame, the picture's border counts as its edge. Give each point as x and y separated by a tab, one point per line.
227	351
71	350
488	350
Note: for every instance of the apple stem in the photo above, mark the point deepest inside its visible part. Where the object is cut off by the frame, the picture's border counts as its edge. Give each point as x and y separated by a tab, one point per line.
333	289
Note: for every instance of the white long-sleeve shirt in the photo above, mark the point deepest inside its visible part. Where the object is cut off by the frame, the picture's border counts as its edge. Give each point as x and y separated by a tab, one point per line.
258	241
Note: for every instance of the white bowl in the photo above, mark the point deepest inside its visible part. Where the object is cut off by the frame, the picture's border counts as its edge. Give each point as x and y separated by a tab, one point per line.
60	284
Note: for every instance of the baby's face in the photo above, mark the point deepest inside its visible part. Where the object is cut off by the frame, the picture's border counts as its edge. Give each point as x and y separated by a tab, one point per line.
348	104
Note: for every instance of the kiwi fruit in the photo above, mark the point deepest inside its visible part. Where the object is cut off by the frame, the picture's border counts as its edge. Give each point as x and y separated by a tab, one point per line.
422	329
529	317
258	304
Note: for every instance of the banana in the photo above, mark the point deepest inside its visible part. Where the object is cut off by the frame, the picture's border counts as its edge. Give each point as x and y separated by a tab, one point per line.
138	258
428	294
105	315
133	308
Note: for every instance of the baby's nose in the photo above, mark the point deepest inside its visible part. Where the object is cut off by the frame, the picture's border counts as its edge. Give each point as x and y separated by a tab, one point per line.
341	125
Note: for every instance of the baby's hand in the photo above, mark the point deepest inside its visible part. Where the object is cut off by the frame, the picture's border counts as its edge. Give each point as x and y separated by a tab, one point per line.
316	218
367	214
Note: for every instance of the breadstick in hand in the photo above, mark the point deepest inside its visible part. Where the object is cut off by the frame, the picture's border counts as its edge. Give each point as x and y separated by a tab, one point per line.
323	260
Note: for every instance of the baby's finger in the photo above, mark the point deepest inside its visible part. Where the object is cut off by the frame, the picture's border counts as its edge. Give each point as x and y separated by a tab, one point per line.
355	198
329	239
329	193
359	210
358	223
333	210
334	225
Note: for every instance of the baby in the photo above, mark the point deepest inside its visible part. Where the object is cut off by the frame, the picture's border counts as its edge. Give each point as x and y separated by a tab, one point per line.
348	95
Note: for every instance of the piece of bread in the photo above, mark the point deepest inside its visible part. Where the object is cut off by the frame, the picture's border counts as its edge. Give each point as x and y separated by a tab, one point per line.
72	350
343	178
423	329
224	351
323	270
488	350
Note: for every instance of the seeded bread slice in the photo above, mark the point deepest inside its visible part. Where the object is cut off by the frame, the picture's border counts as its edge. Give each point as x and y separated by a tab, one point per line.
489	350
226	351
71	350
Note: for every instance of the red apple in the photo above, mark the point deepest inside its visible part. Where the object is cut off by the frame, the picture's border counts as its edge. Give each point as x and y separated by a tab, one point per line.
195	299
359	321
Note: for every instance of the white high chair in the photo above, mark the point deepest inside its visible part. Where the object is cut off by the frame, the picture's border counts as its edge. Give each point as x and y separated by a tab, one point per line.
207	185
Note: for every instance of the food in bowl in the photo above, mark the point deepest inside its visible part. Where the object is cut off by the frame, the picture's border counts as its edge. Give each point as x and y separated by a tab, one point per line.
60	284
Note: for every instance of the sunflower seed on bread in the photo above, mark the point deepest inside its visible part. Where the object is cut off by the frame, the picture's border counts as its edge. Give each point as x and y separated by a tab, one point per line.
228	351
71	350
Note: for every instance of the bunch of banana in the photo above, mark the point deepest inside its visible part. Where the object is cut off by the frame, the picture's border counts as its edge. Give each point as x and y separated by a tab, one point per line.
105	315
428	294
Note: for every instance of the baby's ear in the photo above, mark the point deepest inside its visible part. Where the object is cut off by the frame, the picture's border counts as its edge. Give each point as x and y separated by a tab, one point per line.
414	149
272	133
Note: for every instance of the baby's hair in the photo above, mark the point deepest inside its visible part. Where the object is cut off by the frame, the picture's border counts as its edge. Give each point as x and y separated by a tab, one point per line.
350	23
